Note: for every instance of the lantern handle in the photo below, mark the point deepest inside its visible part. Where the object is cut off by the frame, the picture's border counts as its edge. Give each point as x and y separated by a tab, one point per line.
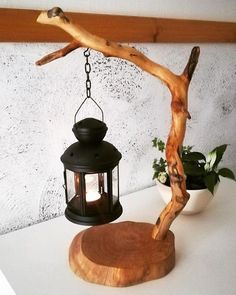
88	85
83	104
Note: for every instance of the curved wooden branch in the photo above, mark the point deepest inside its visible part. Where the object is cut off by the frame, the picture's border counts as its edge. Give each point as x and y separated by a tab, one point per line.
108	48
180	114
178	85
59	53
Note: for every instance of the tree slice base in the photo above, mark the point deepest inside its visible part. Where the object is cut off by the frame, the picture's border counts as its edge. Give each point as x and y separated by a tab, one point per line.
121	254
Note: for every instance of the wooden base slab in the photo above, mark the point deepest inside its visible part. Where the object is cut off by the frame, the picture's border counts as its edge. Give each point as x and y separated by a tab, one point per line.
121	254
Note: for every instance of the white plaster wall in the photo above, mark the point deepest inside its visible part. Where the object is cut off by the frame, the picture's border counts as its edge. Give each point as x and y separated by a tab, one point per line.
37	105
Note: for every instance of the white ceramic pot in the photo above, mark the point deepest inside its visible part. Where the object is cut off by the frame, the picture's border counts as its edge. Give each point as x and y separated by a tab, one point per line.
198	201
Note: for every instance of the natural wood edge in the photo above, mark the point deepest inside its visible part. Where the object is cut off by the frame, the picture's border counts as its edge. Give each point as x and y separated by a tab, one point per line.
19	25
121	254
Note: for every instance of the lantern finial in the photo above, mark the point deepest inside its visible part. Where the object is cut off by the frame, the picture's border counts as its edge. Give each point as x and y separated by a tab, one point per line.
90	130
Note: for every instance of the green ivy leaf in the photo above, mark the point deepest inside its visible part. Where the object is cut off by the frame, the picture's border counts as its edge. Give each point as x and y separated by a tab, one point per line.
154	142
191	168
155	175
193	156
159	166
186	149
225	172
162	162
219	153
159	144
210	160
210	181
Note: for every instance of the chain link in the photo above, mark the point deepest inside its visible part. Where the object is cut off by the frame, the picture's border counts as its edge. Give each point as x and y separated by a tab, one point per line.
88	83
87	68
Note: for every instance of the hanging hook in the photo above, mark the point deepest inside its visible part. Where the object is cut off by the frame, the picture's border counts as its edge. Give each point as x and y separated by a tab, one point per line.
88	86
87	52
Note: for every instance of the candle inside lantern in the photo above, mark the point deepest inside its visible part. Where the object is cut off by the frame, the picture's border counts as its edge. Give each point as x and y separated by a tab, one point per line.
92	196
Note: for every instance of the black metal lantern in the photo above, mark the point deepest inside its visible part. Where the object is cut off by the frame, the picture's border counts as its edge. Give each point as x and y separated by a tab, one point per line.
91	170
91	175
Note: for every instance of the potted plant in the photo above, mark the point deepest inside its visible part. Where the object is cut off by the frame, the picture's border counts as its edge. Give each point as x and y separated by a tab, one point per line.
201	172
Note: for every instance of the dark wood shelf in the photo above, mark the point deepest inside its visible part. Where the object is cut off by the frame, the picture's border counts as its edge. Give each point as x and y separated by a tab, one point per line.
19	25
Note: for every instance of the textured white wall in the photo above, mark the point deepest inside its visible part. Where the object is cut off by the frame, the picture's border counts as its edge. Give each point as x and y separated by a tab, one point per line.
37	105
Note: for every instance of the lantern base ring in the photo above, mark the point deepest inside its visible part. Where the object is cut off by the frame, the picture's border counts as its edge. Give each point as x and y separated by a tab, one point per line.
100	218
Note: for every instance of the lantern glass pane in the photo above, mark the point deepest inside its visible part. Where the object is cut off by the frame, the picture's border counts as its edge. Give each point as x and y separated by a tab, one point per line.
115	184
94	187
71	184
102	183
104	177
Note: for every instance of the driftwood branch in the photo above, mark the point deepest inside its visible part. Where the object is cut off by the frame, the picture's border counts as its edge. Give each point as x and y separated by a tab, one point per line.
177	84
180	113
59	53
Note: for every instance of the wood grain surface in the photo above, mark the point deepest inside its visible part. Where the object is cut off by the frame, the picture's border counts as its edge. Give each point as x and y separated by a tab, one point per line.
121	254
19	25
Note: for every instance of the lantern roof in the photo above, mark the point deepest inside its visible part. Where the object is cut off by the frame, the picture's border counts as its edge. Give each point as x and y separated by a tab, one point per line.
90	154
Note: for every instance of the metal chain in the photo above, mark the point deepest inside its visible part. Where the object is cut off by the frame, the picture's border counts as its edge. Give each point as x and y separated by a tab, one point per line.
87	71
88	85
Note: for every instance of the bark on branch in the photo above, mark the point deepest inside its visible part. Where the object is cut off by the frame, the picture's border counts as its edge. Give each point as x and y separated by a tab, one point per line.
177	84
